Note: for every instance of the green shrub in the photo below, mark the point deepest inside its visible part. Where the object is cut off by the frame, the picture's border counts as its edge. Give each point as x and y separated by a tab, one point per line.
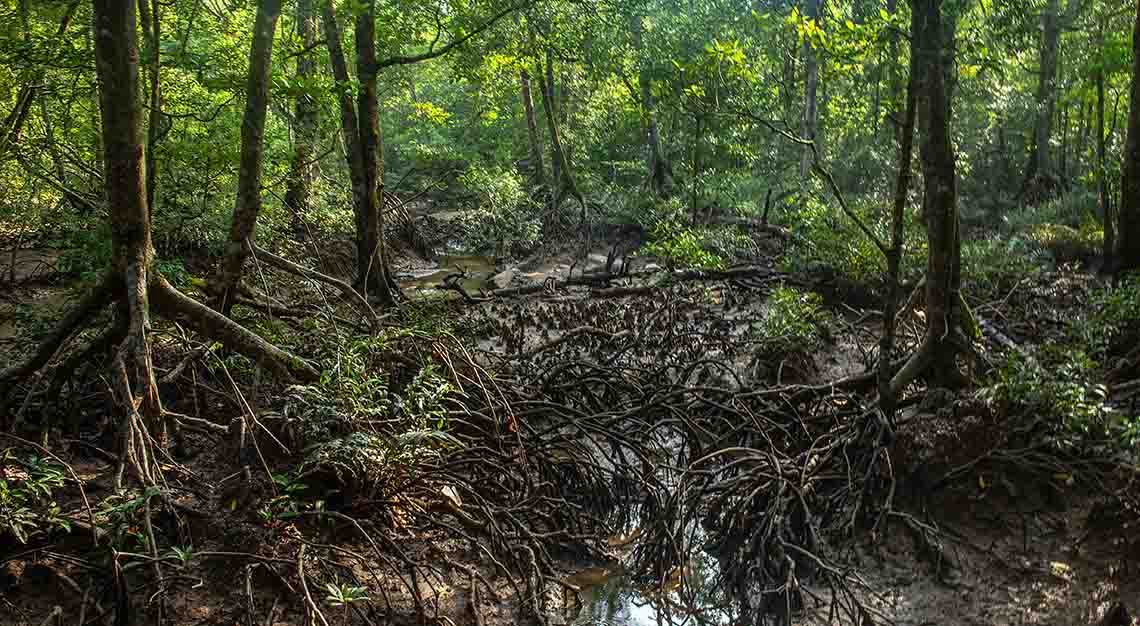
823	235
680	247
27	506
1113	321
504	218
793	321
996	264
1061	385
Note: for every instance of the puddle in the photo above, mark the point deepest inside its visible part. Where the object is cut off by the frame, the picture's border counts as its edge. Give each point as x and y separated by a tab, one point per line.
477	268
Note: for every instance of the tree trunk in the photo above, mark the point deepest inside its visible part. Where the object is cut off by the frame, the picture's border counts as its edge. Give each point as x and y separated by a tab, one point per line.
657	167
349	126
150	17
887	400
550	108
1104	202
116	63
811	85
248	203
563	177
537	166
1046	90
937	352
1128	249
372	269
305	111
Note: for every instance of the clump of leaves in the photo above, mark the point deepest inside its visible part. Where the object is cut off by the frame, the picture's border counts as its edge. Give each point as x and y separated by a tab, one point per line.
995	264
794	320
1061	385
503	219
27	508
1113	323
823	236
368	437
680	247
121	514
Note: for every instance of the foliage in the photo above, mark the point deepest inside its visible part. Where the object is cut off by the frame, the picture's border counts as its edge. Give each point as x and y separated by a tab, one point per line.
793	321
1061	388
1112	324
681	247
992	265
823	236
361	431
27	506
504	218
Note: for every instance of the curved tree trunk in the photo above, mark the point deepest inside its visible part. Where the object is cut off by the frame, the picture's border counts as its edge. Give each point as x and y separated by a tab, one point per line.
248	204
563	178
349	126
1128	249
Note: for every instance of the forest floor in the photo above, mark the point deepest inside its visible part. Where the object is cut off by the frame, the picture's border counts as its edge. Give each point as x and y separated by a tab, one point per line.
983	527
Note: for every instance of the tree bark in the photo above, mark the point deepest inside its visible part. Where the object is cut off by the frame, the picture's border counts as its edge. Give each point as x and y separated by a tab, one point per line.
372	269
305	111
888	399
563	176
537	166
1128	249
349	126
550	108
1104	202
116	63
248	204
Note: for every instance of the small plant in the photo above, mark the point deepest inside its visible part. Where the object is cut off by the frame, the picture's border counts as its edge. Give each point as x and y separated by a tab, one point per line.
343	596
680	247
26	505
1061	385
794	319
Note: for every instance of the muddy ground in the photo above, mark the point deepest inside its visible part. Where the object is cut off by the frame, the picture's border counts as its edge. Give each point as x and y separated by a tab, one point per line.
986	548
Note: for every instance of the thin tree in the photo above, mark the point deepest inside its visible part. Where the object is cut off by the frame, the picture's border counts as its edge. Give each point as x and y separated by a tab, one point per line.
247	206
937	353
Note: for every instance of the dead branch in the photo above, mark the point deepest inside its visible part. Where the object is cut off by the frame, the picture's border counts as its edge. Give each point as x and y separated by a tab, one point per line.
286	265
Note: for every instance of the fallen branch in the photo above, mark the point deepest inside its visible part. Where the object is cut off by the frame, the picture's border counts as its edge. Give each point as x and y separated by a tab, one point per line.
286	265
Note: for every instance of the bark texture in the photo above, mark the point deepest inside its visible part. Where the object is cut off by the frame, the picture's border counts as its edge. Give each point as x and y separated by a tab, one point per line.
810	122
372	269
1041	163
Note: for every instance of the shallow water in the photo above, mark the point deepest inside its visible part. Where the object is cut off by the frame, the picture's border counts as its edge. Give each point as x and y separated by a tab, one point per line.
478	270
